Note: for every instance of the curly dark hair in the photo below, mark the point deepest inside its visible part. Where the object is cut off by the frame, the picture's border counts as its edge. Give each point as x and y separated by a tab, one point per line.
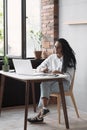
69	59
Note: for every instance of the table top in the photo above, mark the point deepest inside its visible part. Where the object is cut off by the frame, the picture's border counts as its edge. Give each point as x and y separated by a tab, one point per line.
14	75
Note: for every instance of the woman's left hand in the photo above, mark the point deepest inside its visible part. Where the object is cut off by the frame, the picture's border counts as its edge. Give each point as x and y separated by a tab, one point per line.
56	72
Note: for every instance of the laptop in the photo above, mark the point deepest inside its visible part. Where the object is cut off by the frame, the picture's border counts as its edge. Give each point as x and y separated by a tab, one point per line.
24	67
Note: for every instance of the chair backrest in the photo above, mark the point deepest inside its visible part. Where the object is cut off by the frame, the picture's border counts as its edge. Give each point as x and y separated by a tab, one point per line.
72	82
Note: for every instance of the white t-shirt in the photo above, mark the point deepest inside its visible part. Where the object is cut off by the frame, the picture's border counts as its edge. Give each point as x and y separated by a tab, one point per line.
54	63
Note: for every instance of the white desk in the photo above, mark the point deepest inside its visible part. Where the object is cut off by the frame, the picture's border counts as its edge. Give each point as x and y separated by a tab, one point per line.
32	79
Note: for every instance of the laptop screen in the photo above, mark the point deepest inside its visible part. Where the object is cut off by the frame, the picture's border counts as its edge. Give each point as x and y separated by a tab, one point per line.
23	66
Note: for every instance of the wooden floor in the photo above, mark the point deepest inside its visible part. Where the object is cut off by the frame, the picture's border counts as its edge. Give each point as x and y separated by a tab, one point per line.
13	119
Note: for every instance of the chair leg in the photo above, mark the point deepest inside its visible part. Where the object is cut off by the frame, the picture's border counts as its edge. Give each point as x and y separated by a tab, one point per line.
58	106
74	103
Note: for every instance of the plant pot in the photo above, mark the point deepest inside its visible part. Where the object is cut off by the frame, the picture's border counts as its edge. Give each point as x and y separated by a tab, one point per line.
38	54
5	68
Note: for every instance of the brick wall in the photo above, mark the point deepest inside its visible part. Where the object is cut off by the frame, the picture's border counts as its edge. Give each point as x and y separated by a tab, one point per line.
49	25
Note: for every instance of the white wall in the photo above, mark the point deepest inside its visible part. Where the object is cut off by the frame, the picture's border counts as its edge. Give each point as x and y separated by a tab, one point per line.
72	11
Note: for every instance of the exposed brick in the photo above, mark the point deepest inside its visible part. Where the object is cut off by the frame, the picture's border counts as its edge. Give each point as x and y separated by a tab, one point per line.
46	45
49	23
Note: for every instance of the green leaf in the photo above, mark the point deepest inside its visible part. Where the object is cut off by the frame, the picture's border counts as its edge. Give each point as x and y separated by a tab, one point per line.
5	60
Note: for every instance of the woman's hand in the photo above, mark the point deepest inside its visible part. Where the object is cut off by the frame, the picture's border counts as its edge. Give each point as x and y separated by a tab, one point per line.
45	70
56	72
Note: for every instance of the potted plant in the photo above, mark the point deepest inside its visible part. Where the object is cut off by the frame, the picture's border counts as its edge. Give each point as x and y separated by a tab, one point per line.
5	66
37	37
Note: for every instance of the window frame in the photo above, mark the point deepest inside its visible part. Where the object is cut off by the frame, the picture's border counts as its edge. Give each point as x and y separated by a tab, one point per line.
23	27
3	28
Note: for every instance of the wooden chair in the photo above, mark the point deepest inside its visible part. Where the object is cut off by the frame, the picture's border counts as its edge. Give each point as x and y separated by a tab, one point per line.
68	93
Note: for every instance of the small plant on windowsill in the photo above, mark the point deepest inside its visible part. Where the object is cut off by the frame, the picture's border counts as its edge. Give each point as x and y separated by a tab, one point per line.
37	38
5	66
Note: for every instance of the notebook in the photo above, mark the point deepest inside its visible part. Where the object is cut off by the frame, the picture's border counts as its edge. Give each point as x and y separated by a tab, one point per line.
24	67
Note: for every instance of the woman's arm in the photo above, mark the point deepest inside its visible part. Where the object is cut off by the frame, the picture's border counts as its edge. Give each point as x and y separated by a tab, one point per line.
43	67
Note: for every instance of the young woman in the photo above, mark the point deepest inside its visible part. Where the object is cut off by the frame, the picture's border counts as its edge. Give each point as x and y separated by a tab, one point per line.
64	62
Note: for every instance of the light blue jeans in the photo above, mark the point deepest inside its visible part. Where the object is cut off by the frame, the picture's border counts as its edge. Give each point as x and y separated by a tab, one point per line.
50	87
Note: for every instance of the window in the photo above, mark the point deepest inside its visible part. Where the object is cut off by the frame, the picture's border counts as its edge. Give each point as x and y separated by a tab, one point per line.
33	22
14	30
14	13
1	29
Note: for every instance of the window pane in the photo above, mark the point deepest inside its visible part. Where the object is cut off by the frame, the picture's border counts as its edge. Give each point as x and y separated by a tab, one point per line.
1	29
33	22
14	27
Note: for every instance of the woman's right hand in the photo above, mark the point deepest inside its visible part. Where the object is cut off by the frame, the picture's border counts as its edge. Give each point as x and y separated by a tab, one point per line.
45	70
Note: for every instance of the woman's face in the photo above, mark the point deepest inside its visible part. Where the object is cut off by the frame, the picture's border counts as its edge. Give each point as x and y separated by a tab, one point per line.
58	48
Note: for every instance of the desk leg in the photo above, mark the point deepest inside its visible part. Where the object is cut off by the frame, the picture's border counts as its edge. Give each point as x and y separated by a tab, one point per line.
33	93
63	102
26	103
1	90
